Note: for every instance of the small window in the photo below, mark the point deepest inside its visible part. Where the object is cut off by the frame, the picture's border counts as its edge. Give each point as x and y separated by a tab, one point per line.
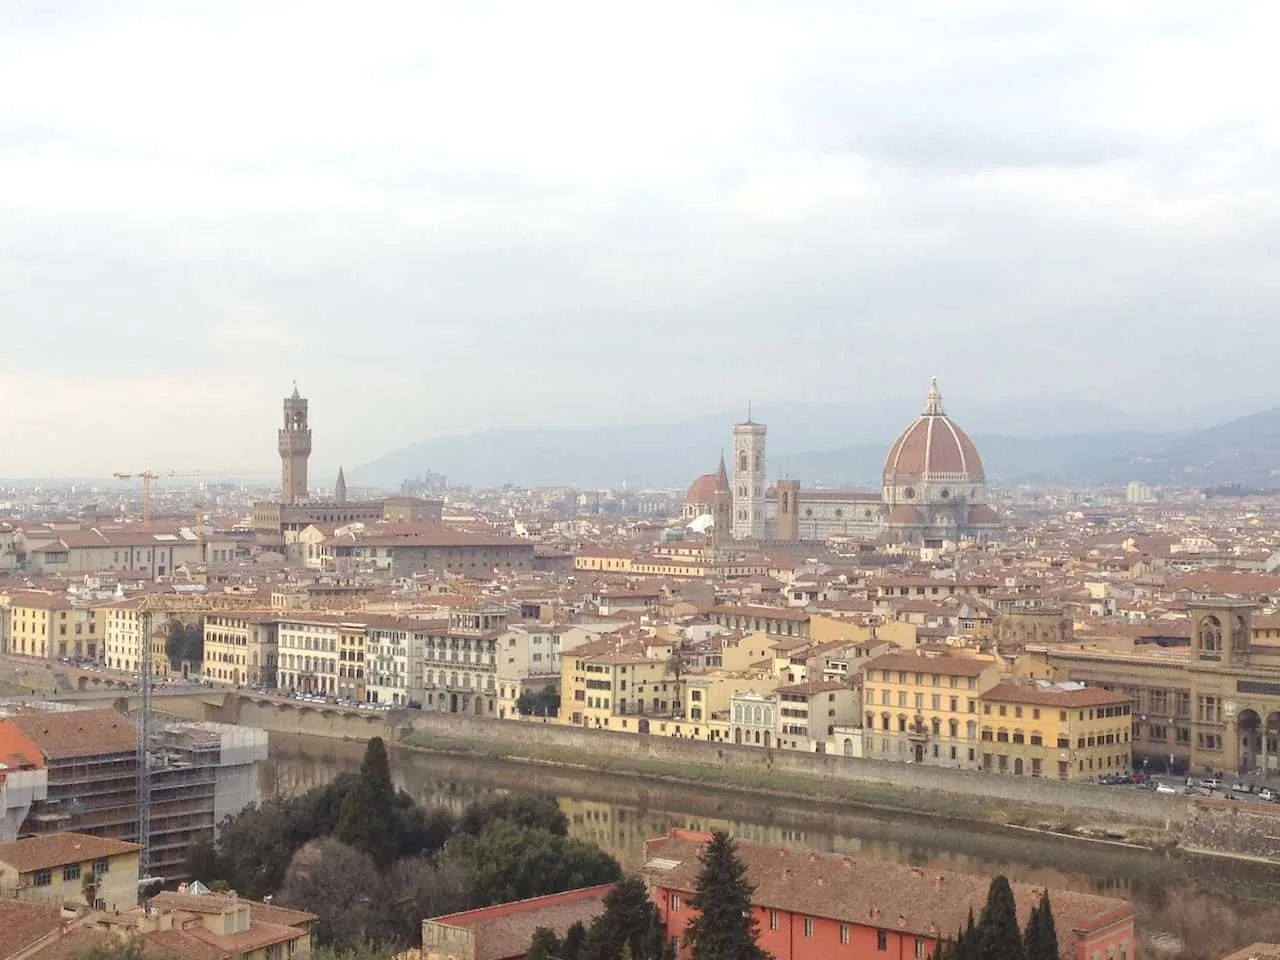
100	867
808	926
675	902
71	872
844	933
882	941
773	919
919	948
42	878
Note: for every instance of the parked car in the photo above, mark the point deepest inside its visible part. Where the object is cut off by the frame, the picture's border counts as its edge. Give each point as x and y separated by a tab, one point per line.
1165	788
1211	783
1266	793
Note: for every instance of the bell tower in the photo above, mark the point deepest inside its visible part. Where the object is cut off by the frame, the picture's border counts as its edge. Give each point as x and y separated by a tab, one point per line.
748	479
295	448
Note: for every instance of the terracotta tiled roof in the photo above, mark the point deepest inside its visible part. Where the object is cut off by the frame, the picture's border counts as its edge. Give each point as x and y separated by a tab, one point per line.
876	893
945	666
25	923
932	444
1054	697
77	733
812	688
505	930
59	849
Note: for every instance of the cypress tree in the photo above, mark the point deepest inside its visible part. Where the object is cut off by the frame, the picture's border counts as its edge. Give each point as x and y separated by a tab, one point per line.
999	937
544	946
1047	938
725	928
966	941
1031	935
368	819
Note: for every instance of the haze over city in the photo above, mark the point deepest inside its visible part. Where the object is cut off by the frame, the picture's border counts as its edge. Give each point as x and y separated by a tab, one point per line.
443	218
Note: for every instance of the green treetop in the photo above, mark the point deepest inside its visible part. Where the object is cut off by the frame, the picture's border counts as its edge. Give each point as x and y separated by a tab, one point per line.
725	928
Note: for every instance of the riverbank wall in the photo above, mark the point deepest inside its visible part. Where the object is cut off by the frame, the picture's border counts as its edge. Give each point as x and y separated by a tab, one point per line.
1079	809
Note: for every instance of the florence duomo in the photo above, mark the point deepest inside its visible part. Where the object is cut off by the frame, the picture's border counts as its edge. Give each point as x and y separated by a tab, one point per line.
933	490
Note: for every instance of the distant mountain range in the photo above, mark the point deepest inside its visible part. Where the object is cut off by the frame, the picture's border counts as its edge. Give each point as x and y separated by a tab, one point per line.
1042	441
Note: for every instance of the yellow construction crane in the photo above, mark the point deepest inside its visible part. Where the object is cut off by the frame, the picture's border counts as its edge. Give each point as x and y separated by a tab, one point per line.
149	476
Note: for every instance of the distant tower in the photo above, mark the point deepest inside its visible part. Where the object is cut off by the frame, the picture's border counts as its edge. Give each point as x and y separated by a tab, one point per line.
295	448
748	479
340	488
787	524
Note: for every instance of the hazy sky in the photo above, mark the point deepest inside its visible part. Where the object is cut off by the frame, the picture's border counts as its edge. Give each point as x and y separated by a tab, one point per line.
442	217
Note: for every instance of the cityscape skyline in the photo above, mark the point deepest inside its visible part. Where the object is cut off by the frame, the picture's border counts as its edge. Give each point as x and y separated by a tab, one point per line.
827	202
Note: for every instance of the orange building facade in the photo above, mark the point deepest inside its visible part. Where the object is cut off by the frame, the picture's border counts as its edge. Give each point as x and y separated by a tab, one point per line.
822	906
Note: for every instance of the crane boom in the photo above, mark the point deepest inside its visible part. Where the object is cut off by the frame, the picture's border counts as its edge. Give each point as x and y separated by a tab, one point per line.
149	476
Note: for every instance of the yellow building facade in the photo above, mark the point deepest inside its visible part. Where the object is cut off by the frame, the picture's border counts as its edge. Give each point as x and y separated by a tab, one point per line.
1056	732
925	709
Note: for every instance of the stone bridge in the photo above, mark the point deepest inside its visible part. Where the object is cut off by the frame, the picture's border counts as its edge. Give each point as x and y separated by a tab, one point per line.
266	712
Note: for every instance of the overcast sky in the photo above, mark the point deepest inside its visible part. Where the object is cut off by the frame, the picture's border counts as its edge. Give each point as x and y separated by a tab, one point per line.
442	217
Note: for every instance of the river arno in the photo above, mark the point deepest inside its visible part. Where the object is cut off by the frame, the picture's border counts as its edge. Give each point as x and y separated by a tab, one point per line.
1212	905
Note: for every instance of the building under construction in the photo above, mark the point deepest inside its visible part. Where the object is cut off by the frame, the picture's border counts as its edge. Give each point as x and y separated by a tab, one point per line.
199	773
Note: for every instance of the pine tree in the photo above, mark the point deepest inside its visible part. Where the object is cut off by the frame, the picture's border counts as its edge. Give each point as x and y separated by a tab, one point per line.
725	928
629	927
368	821
999	937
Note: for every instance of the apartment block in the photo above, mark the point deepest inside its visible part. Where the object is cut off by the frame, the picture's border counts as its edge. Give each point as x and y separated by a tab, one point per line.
808	713
1062	731
42	623
925	709
240	649
460	665
528	659
307	653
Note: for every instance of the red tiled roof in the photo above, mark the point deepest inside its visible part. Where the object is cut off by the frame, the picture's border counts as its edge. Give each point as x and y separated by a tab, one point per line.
873	893
60	849
932	444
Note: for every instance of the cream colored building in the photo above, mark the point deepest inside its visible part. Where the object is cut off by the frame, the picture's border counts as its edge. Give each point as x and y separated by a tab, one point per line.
528	658
123	626
394	648
65	868
308	653
604	686
240	649
709	696
460	664
808	713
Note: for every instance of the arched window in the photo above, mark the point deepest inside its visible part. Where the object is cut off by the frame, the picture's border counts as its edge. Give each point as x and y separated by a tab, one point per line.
742	462
1211	634
758	715
737	713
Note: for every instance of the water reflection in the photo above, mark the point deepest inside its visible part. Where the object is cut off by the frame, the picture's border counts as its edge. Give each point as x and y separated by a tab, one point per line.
619	814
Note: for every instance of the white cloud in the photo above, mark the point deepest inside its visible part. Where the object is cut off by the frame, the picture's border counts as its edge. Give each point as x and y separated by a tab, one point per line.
443	216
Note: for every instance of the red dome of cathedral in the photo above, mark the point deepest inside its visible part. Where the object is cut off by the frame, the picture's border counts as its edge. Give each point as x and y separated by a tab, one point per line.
706	487
933	447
